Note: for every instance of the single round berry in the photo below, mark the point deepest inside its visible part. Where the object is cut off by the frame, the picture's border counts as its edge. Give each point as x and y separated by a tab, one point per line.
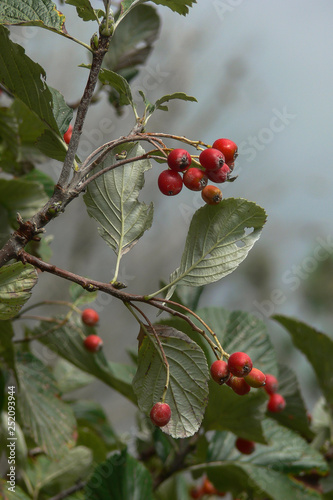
68	134
196	492
195	179
276	403
179	160
245	446
219	371
212	195
208	488
90	317
160	414
240	364
238	385
228	148
93	343
272	384
220	175
211	159
170	182
255	378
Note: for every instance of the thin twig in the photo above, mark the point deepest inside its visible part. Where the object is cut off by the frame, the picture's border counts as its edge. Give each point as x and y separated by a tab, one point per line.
64	494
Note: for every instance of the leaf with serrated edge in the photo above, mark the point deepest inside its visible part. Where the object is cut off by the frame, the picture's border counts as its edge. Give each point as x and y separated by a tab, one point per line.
16	283
112	199
177	95
317	347
219	239
41	13
266	471
47	419
85	10
119	83
179	6
187	394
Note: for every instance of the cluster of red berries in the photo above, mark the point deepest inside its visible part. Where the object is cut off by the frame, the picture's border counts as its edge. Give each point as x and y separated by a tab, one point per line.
239	374
207	488
216	165
92	343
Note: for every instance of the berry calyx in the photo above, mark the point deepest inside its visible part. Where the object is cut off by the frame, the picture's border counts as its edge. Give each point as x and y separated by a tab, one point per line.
212	195
170	182
245	446
195	179
219	371
90	317
255	378
211	159
93	343
68	134
238	385
220	175
272	384
160	414
228	148
179	160
276	403
240	364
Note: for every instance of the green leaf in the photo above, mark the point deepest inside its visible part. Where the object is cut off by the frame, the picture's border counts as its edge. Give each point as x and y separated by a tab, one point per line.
85	10
45	180
7	354
241	415
187	394
41	13
9	131
62	113
67	342
119	83
69	378
91	414
112	199
43	416
266	471
7	494
295	415
16	283
120	476
52	146
25	197
219	238
317	347
177	95
133	40
49	476
80	296
25	79
179	6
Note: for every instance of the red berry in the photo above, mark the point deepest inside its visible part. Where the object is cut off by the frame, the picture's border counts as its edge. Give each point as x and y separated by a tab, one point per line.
220	175
90	317
160	414
228	148
211	159
196	492
195	179
212	195
93	343
68	134
245	446
276	403
271	385
179	160
208	488
255	378
170	182
219	371
240	364
238	385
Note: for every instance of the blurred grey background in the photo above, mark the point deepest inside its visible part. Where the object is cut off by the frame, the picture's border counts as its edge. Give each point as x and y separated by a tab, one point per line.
262	73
